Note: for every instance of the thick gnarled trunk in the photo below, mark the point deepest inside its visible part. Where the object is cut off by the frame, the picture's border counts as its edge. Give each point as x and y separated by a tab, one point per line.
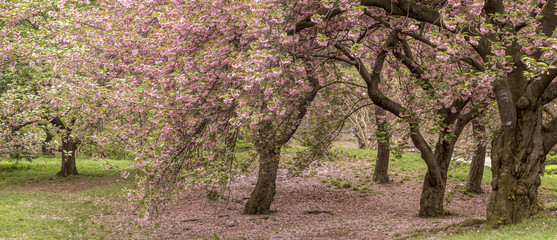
380	173
433	195
264	191
517	157
69	147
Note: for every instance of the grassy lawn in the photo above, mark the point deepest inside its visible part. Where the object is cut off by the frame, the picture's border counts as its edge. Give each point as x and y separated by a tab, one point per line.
411	163
37	205
541	226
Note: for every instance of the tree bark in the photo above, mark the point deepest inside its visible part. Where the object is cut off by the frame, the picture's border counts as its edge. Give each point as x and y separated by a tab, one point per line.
474	181
264	191
433	192
269	141
69	147
380	173
517	157
361	143
45	150
431	200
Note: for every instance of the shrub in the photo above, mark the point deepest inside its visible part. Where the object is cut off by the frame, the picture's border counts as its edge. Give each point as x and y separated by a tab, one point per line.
346	185
551	170
551	160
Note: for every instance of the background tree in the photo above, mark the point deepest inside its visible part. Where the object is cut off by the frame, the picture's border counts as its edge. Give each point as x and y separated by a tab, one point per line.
474	181
512	44
362	41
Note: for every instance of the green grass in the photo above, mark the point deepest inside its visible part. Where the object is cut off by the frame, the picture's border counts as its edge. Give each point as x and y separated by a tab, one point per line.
43	169
36	205
543	226
410	162
459	171
551	169
549	182
413	163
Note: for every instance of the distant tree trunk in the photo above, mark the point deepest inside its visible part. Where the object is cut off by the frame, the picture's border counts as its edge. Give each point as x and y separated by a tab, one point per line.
264	191
361	142
45	150
381	174
474	182
69	147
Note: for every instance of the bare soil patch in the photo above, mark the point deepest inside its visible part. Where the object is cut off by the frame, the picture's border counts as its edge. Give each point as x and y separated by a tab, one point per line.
307	208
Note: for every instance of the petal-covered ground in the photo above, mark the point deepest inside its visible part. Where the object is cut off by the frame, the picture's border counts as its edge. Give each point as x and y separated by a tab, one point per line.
309	207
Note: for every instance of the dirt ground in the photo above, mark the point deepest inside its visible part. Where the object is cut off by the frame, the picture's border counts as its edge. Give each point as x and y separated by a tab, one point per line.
306	208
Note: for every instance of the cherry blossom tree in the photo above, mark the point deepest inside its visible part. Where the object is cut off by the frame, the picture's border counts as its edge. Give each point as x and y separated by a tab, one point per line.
432	95
39	47
510	43
181	80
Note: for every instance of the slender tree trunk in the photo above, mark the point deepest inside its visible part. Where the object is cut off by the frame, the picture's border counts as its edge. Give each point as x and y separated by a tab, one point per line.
517	157
264	191
381	174
474	182
433	192
361	143
69	147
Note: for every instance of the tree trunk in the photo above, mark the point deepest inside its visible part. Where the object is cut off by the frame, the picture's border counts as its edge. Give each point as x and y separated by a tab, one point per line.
381	174
264	191
516	158
361	143
433	192
474	182
45	150
431	201
69	146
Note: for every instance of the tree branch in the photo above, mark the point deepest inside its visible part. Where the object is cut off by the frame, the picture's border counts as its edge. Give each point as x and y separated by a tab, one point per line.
462	122
549	132
57	122
406	8
549	18
351	62
16	128
549	94
307	23
408	60
372	79
341	82
475	64
422	13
